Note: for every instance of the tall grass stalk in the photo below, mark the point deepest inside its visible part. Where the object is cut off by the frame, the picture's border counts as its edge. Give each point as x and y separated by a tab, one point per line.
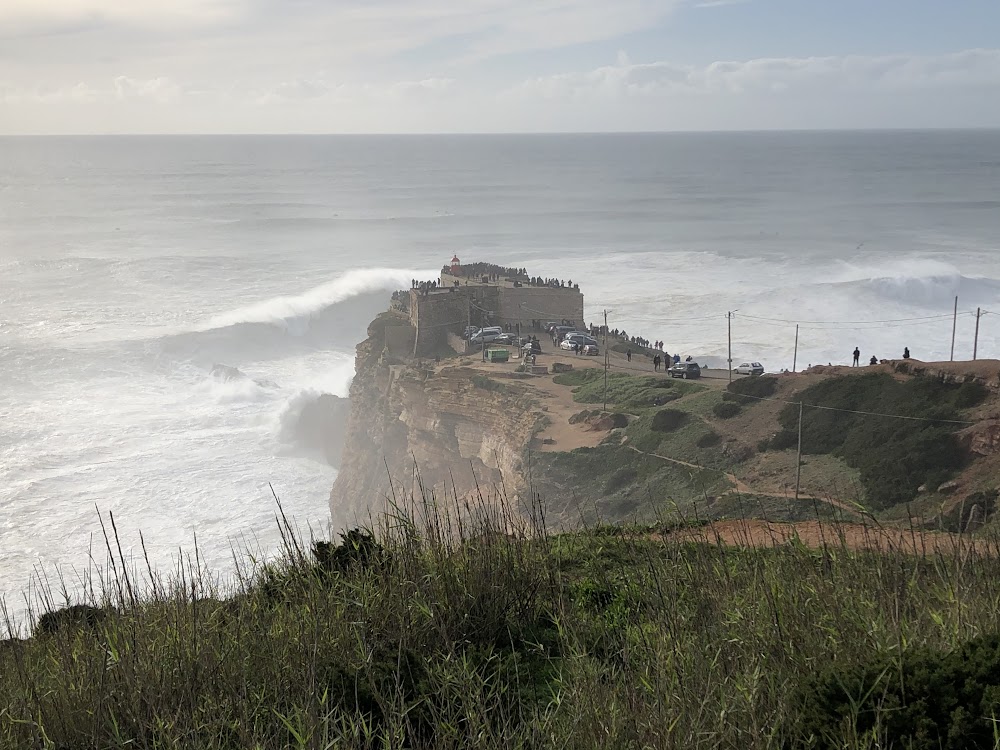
458	622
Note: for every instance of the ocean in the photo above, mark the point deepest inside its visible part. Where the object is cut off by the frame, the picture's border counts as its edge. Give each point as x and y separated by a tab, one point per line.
131	266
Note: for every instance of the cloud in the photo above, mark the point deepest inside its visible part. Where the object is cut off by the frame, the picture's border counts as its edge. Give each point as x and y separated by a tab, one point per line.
719	3
949	90
969	68
41	16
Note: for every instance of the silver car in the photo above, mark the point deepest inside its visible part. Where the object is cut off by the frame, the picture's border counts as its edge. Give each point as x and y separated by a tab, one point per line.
749	368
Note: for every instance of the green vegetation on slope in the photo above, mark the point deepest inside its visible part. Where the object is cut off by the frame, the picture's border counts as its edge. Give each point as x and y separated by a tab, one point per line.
607	638
894	456
627	392
626	476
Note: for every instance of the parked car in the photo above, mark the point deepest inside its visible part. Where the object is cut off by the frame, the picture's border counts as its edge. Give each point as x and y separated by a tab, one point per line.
570	341
505	338
686	370
486	335
560	332
469	331
532	347
749	368
591	350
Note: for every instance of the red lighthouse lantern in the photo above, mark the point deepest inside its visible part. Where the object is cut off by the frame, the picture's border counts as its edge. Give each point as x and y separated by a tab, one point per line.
456	266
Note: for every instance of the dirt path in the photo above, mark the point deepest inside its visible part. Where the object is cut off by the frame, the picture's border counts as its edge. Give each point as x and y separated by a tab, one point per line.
761	534
560	435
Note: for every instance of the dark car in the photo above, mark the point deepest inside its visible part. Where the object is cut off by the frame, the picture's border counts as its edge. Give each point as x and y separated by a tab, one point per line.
531	347
685	370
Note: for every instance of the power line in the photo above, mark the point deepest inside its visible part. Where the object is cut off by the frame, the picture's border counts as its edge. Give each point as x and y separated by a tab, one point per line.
852	322
856	411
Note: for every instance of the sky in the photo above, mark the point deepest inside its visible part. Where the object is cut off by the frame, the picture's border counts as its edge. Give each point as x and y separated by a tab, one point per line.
415	66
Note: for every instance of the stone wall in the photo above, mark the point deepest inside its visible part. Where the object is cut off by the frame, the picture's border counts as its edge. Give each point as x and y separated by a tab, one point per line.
436	315
526	303
399	340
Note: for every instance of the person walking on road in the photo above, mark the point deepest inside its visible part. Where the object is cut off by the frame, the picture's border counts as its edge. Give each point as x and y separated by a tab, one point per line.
857	357
656	363
628	355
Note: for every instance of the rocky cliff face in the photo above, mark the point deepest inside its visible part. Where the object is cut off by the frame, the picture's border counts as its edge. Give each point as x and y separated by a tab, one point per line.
443	426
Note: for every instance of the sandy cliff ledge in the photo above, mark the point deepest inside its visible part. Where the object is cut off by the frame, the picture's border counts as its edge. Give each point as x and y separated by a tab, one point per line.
431	417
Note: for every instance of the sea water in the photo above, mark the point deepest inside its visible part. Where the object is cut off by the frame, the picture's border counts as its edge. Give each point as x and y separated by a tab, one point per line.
131	266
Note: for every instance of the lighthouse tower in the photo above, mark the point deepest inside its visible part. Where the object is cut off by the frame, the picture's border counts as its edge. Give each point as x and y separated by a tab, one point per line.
456	266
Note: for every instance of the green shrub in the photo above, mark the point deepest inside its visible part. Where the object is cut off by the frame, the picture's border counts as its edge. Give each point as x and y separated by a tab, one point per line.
970	394
618	421
755	387
925	700
668	420
487	384
784	440
726	409
708	440
621	478
893	456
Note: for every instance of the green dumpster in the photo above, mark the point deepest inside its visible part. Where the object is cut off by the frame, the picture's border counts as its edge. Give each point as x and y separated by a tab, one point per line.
497	355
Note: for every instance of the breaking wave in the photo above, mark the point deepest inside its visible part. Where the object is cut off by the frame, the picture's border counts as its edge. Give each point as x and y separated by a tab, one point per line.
332	315
922	282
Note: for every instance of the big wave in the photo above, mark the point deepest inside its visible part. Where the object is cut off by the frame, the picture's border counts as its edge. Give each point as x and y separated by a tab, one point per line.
920	283
333	315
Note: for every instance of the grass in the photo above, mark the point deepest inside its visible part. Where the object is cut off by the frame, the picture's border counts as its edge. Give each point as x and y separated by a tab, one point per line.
631	393
894	457
479	631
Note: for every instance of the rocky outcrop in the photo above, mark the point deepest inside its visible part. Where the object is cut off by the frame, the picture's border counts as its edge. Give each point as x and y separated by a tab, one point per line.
449	429
982	439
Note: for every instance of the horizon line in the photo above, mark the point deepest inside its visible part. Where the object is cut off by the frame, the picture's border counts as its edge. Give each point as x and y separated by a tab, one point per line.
478	133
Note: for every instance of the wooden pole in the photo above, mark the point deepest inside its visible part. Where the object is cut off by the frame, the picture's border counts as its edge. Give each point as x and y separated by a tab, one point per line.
605	360
954	325
729	335
975	342
795	356
798	456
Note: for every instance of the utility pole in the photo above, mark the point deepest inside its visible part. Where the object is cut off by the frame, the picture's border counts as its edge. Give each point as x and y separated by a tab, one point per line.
798	456
606	361
975	342
729	327
795	356
954	325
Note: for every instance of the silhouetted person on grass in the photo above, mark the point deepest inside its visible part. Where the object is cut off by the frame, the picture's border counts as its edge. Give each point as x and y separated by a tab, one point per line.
656	363
857	357
628	355
873	360
906	352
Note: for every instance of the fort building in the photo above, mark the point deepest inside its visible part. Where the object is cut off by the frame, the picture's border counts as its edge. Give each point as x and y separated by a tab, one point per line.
484	294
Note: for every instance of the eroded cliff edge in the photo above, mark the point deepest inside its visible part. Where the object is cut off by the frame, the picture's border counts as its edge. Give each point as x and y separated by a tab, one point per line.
439	423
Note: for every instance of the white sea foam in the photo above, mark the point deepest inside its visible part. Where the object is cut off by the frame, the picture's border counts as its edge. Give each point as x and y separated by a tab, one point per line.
293	311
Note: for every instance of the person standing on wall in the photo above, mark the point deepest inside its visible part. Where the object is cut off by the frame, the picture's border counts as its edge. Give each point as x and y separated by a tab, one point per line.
857	356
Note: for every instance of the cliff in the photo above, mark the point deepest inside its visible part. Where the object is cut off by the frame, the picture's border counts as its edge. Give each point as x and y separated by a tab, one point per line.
442	425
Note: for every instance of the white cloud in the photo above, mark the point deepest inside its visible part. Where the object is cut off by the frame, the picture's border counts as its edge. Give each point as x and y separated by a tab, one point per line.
952	90
39	16
970	68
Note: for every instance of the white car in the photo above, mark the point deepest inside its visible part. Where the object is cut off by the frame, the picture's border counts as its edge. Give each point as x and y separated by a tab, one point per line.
486	335
749	368
569	343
